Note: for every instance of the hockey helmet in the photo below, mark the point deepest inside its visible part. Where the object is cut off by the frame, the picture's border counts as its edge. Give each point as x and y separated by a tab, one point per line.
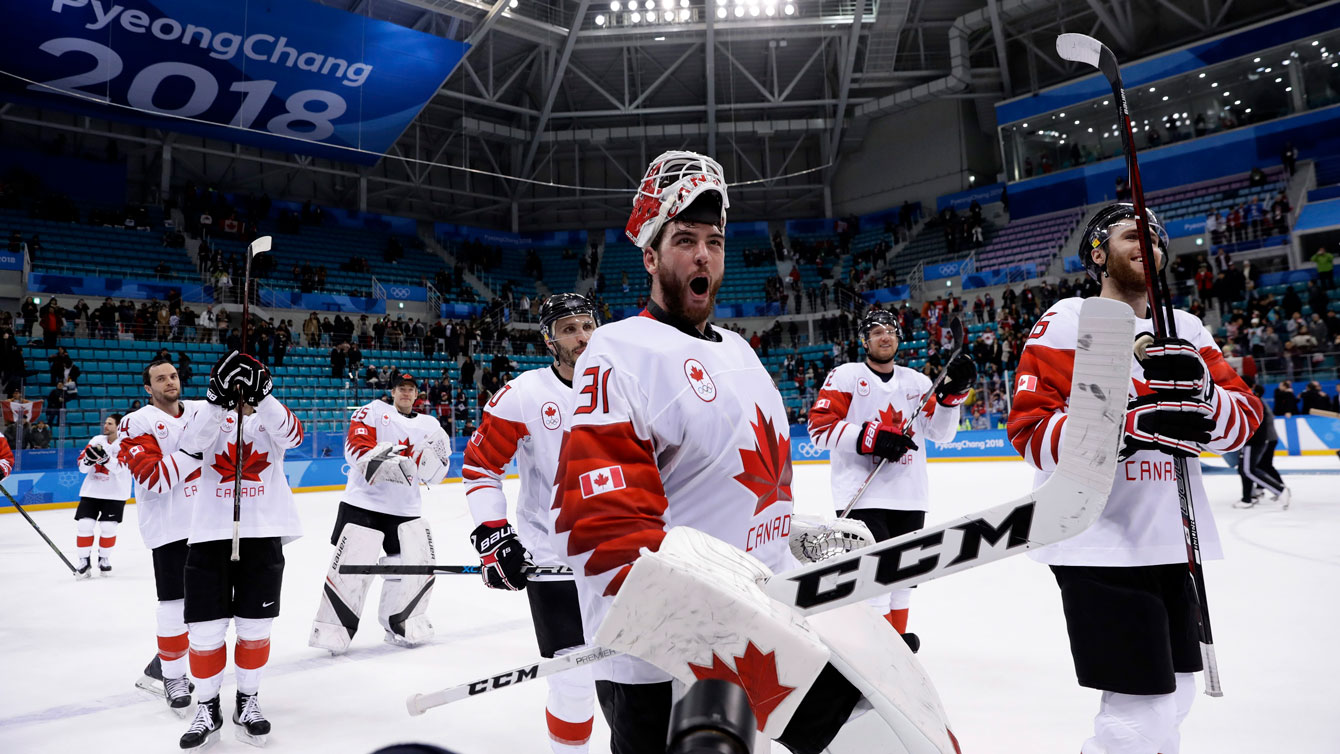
878	318
562	305
1099	229
686	185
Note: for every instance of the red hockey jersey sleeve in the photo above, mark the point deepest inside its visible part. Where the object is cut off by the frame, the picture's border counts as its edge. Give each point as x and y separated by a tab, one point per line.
1041	391
490	448
142	455
828	425
609	492
361	437
6	457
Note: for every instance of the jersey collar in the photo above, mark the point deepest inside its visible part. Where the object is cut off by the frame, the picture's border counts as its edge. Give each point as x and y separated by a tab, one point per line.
655	311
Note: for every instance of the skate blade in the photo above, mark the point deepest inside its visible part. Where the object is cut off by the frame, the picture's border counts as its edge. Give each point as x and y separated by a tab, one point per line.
242	735
183	713
150	685
210	739
83	576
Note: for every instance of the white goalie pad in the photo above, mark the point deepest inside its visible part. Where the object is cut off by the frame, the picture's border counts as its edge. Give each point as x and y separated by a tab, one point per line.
386	462
901	712
435	458
404	601
814	539
694	609
342	594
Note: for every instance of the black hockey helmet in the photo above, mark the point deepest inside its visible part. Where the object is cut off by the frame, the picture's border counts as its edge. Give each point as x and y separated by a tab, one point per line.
878	318
1099	230
562	305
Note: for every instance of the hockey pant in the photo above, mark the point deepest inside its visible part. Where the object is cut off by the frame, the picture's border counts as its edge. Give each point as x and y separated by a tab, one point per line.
1258	468
84	538
1142	723
172	638
209	654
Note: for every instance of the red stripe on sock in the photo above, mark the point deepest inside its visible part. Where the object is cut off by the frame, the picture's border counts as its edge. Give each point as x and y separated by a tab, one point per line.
566	733
207	663
897	619
252	654
84	541
173	647
105	542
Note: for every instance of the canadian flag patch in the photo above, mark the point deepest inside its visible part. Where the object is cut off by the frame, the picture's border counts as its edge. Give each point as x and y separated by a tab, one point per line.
603	480
1026	382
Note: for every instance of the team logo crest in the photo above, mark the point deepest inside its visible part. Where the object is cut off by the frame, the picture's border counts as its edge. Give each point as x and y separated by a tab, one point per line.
863	387
161	431
253	464
700	380
550	416
229	424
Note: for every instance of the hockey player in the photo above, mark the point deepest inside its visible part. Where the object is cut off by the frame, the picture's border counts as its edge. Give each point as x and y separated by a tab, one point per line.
389	449
245	593
160	458
1125	588
102	497
527	420
859	416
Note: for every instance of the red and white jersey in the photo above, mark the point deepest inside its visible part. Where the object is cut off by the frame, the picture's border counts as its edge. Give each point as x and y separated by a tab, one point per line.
377	422
6	457
150	442
104	481
1142	522
854	394
268	508
526	420
668	429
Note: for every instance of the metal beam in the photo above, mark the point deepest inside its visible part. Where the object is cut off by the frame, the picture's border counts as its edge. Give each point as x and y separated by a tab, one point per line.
595	85
767	95
823	43
665	75
1195	22
554	82
844	86
711	85
1111	24
998	34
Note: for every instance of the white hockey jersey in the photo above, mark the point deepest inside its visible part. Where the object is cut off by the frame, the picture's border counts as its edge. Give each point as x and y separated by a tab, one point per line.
854	394
526	419
150	442
1142	522
268	508
378	422
104	481
668	429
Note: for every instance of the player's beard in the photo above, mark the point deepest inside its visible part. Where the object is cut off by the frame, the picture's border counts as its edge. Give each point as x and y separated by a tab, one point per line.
676	292
1128	276
566	357
166	396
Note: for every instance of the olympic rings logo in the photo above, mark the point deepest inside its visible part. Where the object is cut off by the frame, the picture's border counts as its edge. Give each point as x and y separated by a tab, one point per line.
809	450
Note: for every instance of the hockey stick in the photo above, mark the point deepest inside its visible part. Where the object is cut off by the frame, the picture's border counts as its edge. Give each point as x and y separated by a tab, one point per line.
259	246
428	570
1066	504
956	331
41	533
1084	49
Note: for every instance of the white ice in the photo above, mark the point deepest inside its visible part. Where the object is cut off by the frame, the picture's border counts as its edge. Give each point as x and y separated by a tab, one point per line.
993	639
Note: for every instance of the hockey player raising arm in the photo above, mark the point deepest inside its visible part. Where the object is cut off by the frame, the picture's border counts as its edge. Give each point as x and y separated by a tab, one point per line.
245	593
861	415
389	449
102	497
1124	581
527	420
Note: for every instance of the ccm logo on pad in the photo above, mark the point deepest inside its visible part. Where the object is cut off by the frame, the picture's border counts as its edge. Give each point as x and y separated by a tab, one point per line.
600	481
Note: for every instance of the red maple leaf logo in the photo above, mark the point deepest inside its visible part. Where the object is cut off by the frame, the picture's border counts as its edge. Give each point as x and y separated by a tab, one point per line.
550	411
409	447
601	480
890	416
767	468
695	373
100	469
252	464
754	672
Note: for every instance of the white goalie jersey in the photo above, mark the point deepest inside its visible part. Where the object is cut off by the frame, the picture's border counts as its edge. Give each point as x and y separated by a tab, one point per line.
379	422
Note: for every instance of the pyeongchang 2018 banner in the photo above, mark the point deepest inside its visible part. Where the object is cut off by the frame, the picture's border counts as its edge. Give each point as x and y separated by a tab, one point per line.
280	74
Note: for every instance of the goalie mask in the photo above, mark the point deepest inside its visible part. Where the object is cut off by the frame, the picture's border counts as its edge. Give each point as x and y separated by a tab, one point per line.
683	185
878	318
1101	228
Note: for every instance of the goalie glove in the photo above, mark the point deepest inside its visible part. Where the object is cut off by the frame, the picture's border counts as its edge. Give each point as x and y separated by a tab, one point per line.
885	441
96	454
814	539
387	462
435	458
502	559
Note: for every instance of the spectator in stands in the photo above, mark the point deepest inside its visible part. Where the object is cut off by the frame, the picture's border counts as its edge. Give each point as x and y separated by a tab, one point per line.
339	360
1313	398
1325	269
14	430
55	403
1279	212
39	436
1286	403
52	318
311	329
1289	157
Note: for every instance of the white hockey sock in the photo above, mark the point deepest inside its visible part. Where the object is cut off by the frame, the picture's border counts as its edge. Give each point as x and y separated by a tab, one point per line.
209	656
106	537
1132	723
1184	696
251	651
570	709
84	536
172	639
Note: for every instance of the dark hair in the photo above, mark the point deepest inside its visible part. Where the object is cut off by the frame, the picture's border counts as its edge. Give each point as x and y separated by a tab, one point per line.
114	417
145	374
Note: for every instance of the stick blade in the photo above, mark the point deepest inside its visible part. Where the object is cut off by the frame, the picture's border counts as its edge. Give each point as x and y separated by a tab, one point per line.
1080	48
260	245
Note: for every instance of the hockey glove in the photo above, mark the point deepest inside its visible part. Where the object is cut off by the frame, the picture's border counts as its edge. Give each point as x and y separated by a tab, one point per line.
216	394
242	374
435	458
813	539
96	454
960	374
885	441
502	559
387	463
1173	368
1179	428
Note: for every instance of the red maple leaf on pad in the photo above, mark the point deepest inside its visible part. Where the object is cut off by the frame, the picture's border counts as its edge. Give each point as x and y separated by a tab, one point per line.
756	673
601	480
767	467
253	464
695	373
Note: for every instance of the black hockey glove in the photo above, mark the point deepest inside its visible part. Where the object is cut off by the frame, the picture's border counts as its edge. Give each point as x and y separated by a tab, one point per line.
241	374
1174	369
1179	428
501	556
216	394
960	375
96	454
885	441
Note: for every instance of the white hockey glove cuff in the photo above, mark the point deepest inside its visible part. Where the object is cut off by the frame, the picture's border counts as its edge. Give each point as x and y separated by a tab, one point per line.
387	462
814	539
435	458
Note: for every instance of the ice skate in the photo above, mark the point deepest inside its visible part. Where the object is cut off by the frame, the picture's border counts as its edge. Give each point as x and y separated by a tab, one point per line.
104	565
177	691
397	640
204	730
252	727
85	569
1283	498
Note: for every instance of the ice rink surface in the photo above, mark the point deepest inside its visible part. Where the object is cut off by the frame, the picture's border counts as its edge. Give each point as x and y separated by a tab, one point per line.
993	639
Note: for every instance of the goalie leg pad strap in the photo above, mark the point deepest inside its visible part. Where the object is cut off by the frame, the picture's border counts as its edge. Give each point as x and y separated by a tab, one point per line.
343	594
404	600
695	610
876	661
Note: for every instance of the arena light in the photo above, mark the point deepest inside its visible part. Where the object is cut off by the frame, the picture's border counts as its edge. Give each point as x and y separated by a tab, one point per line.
1151	90
770	10
1237	102
739	11
722	12
651	4
651	16
1214	84
1165	98
683	14
1255	60
1203	75
600	19
1278	79
636	17
667	4
790	9
615	6
753	10
1288	89
513	4
683	3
